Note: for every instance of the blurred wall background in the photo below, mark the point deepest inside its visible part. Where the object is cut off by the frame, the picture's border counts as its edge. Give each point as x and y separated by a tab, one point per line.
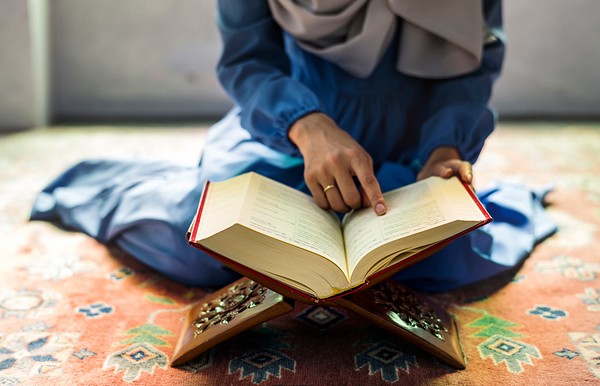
17	104
140	60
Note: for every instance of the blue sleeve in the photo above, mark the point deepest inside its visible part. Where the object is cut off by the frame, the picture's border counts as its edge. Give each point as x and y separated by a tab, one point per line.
459	115
254	70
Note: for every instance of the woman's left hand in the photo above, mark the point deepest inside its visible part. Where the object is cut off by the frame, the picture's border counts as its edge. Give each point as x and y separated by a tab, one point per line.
446	162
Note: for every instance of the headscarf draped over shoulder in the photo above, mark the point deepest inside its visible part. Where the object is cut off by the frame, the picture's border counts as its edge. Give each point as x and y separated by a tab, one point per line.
439	38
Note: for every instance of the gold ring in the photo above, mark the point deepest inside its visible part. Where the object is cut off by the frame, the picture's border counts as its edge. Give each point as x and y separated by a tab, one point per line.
325	189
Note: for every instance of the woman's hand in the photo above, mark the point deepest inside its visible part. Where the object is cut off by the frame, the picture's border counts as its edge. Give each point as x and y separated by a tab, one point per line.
446	162
332	158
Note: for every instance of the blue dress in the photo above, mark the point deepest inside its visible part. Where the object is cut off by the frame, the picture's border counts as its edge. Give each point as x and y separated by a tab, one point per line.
146	207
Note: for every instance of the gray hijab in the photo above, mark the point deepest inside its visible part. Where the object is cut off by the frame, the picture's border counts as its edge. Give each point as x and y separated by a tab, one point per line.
439	38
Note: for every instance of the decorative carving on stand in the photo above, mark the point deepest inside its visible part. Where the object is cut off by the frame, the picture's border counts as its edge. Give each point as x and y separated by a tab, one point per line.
227	312
408	309
246	304
222	310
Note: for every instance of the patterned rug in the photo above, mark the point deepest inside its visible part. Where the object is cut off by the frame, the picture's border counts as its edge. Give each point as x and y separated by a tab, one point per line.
75	312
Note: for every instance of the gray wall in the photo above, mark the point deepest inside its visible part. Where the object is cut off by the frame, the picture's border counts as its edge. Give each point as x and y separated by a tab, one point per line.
135	58
155	60
552	60
17	103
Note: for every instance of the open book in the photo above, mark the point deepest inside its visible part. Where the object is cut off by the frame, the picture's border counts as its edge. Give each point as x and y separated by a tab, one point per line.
279	237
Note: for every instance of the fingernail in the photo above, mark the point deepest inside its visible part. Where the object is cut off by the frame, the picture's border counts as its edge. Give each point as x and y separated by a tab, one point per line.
380	209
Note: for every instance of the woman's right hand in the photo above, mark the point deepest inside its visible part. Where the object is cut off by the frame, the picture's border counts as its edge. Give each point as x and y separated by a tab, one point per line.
332	158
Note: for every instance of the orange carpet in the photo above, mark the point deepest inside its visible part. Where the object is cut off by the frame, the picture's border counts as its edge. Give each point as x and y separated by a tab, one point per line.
75	312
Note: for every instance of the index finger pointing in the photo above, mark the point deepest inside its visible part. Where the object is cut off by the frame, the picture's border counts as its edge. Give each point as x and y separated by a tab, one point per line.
372	191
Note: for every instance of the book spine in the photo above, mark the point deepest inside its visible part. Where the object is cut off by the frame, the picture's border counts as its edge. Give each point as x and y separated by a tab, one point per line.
192	236
477	202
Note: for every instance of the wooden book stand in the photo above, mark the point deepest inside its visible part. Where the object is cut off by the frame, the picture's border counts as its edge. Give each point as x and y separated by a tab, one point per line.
245	304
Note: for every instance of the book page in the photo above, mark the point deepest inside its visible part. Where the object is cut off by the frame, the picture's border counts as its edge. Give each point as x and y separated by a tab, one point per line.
412	209
225	206
293	217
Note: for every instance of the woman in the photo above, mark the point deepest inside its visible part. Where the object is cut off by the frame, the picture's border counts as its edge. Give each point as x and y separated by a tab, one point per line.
343	99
